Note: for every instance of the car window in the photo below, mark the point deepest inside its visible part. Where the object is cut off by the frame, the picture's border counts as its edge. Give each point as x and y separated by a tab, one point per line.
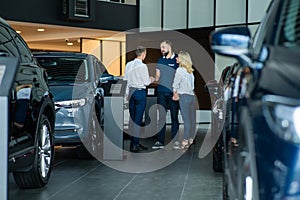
290	25
68	70
25	54
7	44
260	34
101	68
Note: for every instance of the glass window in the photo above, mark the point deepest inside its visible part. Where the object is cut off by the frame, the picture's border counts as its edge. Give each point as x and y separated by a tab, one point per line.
81	8
201	13
66	70
174	14
25	54
257	9
230	12
99	68
150	15
290	25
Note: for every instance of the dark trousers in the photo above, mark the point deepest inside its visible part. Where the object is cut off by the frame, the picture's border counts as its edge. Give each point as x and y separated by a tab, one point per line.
164	100
137	105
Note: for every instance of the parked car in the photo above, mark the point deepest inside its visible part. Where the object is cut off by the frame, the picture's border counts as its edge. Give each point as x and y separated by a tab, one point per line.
264	161
77	81
31	117
221	113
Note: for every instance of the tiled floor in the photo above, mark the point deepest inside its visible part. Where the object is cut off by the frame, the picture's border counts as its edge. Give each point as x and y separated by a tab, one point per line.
185	178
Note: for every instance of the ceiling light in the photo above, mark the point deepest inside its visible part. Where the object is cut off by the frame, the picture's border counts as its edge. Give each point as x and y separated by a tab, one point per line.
18	32
69	43
40	30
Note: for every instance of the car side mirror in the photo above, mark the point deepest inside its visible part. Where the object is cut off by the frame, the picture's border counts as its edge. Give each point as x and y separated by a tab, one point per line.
233	41
104	78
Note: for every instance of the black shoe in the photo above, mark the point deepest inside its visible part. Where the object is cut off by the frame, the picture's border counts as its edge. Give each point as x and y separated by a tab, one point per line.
136	149
143	147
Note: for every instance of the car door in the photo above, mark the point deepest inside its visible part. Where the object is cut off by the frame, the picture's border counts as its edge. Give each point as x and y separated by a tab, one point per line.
27	90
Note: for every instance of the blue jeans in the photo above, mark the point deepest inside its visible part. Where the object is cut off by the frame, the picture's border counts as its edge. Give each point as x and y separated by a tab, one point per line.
164	99
137	105
188	111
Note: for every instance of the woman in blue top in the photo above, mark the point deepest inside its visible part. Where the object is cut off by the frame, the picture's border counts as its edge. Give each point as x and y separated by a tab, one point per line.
183	90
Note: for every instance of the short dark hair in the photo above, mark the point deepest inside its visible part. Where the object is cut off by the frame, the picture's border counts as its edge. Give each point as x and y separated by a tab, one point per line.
168	42
140	50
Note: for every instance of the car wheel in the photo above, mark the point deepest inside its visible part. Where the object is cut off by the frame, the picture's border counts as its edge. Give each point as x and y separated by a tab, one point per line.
40	172
218	157
92	144
225	188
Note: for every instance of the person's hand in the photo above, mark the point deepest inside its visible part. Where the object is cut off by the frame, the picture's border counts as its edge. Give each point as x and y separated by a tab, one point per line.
175	96
152	79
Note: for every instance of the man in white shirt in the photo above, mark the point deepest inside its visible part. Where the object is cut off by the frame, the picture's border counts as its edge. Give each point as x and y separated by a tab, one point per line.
137	76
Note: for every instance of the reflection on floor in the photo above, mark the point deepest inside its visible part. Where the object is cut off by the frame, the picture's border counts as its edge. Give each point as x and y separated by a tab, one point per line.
183	177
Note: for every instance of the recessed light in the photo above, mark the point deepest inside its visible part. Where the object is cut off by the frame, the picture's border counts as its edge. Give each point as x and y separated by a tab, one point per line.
40	30
69	43
19	32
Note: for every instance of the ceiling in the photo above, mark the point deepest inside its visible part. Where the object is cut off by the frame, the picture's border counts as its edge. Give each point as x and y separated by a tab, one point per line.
55	38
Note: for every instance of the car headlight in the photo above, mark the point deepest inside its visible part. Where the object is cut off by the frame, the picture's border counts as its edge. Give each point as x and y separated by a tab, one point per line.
71	103
283	117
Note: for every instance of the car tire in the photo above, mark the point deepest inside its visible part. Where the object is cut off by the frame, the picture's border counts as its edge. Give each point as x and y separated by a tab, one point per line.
225	188
39	174
218	158
92	145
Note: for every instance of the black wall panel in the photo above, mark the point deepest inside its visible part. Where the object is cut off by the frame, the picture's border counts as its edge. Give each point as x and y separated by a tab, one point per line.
108	16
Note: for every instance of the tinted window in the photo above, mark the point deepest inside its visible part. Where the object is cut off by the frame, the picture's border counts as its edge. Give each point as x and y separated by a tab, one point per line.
24	51
65	69
290	24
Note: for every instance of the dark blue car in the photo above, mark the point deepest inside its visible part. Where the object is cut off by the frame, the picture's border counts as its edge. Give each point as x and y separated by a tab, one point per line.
263	162
77	81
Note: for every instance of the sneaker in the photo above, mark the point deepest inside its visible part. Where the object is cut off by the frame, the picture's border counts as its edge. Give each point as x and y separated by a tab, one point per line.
158	145
176	145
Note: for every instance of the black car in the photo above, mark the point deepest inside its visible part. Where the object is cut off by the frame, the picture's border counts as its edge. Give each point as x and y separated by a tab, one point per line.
32	115
263	163
78	82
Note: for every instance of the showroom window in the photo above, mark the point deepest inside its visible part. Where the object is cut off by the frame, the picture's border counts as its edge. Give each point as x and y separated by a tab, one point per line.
81	8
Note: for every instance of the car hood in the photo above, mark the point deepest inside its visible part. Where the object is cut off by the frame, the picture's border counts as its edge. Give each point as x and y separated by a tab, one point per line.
280	76
69	91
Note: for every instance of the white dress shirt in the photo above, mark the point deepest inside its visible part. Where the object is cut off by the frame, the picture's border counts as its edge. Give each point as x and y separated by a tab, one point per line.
137	75
183	82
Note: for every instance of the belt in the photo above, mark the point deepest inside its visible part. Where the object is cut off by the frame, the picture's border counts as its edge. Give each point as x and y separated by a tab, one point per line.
132	88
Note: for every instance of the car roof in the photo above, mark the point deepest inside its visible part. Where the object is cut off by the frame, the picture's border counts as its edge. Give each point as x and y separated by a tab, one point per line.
3	21
60	54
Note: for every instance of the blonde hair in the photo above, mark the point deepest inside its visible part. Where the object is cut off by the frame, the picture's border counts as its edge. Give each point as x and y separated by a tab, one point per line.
185	61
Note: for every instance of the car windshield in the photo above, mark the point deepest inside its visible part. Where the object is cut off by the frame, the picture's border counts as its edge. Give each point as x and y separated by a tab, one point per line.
69	70
290	25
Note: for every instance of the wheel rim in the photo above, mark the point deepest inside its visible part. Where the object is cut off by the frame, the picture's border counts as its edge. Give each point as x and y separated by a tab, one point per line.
45	152
94	136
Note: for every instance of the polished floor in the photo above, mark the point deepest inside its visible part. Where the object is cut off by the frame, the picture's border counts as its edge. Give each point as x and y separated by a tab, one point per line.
186	177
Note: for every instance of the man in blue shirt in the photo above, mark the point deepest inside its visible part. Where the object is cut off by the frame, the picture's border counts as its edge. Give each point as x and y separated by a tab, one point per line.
165	72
